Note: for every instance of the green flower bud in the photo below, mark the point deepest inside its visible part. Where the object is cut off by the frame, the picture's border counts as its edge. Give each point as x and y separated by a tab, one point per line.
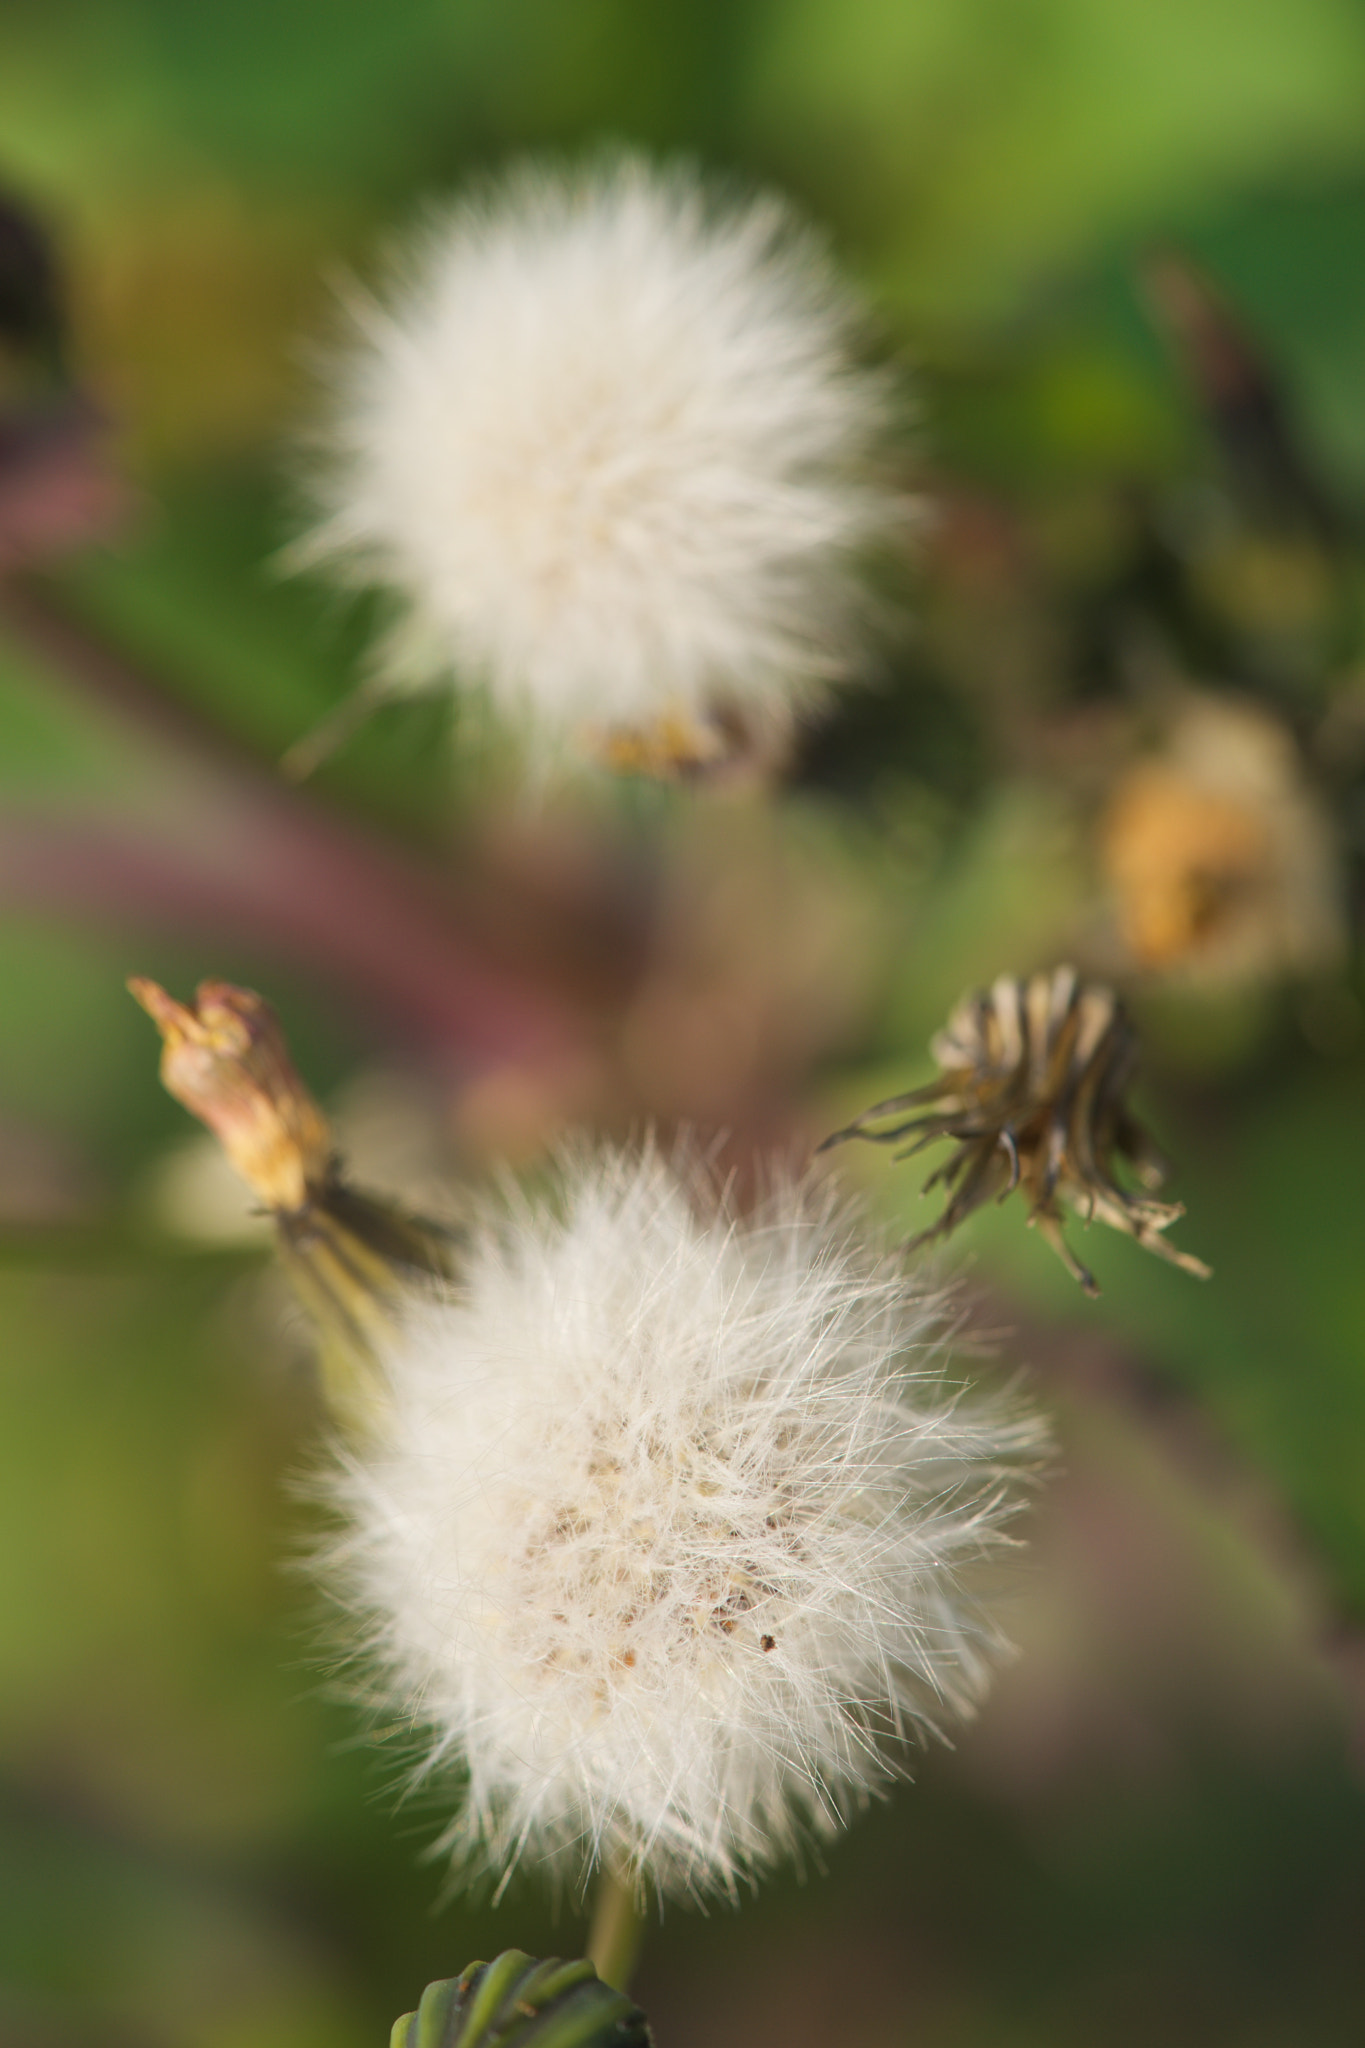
517	2002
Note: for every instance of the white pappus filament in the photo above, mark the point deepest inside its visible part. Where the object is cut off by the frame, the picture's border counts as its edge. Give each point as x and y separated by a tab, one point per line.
608	441
662	1539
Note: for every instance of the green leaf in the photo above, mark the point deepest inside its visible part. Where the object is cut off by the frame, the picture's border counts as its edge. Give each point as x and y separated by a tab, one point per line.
974	149
517	2002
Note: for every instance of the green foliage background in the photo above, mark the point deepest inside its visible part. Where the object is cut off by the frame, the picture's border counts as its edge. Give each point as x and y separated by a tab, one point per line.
1159	1831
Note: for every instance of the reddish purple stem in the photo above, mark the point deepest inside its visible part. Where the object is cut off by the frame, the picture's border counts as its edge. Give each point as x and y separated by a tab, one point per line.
269	869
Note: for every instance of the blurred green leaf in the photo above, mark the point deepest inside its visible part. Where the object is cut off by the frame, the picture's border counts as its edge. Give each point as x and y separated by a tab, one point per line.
977	148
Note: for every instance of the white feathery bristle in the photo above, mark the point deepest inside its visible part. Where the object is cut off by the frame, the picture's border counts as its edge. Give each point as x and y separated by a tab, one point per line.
610	445
662	1539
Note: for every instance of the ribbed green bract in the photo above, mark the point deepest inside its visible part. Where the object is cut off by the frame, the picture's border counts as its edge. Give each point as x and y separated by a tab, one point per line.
517	2002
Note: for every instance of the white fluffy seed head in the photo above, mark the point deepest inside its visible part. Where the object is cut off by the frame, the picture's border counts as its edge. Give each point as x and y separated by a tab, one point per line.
663	1539
610	445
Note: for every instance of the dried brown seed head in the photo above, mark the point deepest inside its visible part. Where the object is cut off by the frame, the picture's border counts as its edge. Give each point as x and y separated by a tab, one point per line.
1031	1093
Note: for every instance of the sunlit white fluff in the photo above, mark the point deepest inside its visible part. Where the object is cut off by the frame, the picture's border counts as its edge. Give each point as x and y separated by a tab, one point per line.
662	1538
608	441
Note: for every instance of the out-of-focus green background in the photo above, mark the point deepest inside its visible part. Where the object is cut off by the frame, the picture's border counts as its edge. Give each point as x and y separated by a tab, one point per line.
1157	1829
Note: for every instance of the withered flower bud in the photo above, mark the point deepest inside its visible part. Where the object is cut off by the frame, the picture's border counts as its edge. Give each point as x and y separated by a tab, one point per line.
1220	855
350	1256
726	746
1033	1076
227	1061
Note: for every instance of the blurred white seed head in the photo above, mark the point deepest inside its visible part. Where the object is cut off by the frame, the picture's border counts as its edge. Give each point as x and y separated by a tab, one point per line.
610	445
663	1541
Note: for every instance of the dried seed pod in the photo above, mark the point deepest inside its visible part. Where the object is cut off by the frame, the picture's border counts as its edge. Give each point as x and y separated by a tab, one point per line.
225	1058
1031	1092
515	2000
351	1257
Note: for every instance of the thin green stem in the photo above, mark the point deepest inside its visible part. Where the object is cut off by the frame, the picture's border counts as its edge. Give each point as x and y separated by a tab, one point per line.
617	1931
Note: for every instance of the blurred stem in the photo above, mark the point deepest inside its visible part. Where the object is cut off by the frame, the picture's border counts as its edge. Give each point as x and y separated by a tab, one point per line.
298	762
617	1931
275	866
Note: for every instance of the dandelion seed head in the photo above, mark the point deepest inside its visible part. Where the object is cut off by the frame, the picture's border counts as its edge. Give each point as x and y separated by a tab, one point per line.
610	444
662	1540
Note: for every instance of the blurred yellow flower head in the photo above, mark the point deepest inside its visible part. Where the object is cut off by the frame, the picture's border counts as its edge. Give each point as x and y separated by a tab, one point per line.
1218	854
